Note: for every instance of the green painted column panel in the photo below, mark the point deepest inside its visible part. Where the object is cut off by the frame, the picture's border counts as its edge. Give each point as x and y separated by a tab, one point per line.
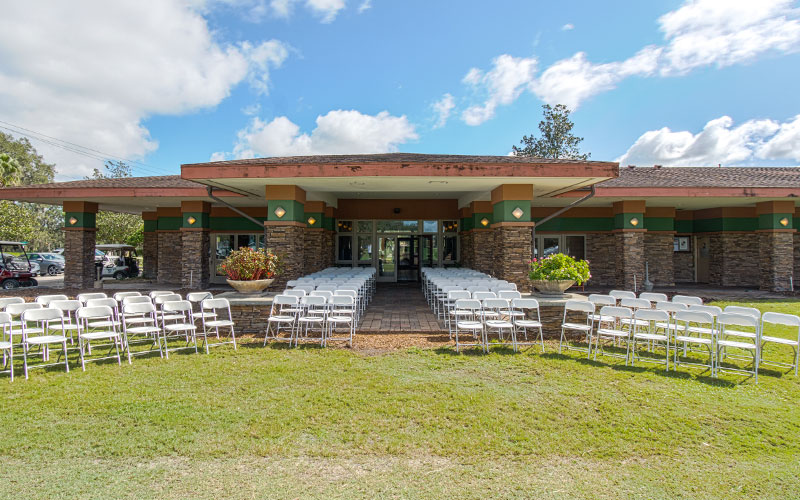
623	221
503	211
319	219
294	210
201	220
81	219
659	223
169	223
773	221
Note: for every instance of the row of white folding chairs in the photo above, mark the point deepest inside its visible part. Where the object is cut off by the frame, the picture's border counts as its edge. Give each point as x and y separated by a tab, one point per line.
484	317
101	318
448	303
672	325
301	315
438	294
358	298
656	297
362	293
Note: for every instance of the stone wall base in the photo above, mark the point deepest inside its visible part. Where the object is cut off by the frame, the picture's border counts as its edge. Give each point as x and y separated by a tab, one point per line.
288	242
79	257
629	254
170	247
483	254
658	253
600	251
734	259
512	252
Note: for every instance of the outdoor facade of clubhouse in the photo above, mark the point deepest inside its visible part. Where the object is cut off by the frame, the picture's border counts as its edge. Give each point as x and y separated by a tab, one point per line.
727	226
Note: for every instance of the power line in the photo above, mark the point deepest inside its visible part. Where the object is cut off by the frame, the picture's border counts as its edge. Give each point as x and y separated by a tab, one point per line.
77	148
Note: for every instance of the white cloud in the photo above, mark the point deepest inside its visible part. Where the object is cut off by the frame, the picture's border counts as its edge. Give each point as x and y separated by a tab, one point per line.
326	9
700	33
507	79
568	27
337	132
257	10
443	107
218	156
365	5
719	142
91	72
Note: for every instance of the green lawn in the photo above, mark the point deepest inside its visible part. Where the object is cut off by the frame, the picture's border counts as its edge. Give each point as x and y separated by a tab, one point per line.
274	422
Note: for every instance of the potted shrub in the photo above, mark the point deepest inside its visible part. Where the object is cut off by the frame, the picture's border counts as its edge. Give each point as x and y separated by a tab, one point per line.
555	273
251	271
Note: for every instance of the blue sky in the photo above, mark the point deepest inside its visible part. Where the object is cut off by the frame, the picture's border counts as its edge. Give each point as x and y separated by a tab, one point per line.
695	82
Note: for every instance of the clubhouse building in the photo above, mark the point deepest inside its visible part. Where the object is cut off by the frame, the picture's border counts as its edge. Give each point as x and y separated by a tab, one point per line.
725	226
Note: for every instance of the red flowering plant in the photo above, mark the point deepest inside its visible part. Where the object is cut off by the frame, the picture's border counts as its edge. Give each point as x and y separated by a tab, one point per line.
247	264
559	266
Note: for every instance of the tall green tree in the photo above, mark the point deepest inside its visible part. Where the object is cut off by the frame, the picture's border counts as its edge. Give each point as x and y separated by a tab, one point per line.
115	227
38	224
556	140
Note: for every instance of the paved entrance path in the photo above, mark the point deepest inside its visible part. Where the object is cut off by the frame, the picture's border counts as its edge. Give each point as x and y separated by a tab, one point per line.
399	308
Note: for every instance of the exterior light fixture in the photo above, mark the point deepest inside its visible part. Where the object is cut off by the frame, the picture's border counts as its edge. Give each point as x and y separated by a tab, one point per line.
634	222
517	213
784	222
191	220
73	221
311	221
280	212
484	222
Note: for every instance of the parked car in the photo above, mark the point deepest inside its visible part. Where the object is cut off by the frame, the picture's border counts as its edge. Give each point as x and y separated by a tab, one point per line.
15	270
121	261
98	255
50	263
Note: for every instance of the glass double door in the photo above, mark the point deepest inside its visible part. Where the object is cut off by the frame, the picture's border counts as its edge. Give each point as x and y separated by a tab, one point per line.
223	243
401	257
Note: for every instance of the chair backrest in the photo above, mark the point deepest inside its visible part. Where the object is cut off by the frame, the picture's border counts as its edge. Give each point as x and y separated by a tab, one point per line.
156	293
735	319
137	299
484	295
120	296
214	304
505	286
295	293
342	300
458	294
328	288
473	289
495	303
306	288
102	302
198	296
775	318
5	321
137	308
651	315
468	304
322	293
160	300
616	312
520	303
348	293
635	303
622	294
605	300
314	300
84	297
654	297
95	312
712	310
509	294
46	299
285	300
694	316
687	299
177	306
746	311
4	301
580	306
40	314
671	307
66	306
19	308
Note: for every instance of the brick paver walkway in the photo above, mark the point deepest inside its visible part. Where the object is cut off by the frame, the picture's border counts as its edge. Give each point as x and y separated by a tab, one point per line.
399	308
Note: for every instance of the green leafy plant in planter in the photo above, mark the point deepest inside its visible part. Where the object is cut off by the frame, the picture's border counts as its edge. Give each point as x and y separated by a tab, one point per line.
555	273
250	270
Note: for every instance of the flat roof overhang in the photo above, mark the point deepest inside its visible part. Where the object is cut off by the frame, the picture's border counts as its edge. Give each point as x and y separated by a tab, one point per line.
681	198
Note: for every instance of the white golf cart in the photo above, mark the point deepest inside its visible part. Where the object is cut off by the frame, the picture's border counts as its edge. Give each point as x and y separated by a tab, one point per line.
121	261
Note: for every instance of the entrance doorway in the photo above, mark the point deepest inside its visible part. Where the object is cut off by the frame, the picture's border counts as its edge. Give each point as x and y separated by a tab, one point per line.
702	265
401	257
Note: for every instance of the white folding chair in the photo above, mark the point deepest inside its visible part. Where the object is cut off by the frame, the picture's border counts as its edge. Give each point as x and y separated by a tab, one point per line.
140	319
495	322
182	326
771	320
452	312
342	313
526	317
40	334
472	323
612	326
654	297
315	310
689	300
734	334
119	296
622	294
98	323
581	308
4	301
282	315
16	310
647	332
157	293
6	345
69	309
197	298
688	322
85	297
45	300
214	316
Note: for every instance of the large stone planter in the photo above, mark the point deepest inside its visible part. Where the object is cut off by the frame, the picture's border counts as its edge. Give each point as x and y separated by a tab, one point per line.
552	288
252	286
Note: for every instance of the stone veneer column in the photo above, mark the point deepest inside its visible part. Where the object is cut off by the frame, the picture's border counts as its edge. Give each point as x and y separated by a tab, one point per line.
79	241
286	229
170	245
195	245
511	226
776	244
482	253
659	245
629	243
315	246
150	245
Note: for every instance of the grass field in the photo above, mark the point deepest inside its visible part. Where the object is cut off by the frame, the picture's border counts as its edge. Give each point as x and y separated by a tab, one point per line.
310	423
